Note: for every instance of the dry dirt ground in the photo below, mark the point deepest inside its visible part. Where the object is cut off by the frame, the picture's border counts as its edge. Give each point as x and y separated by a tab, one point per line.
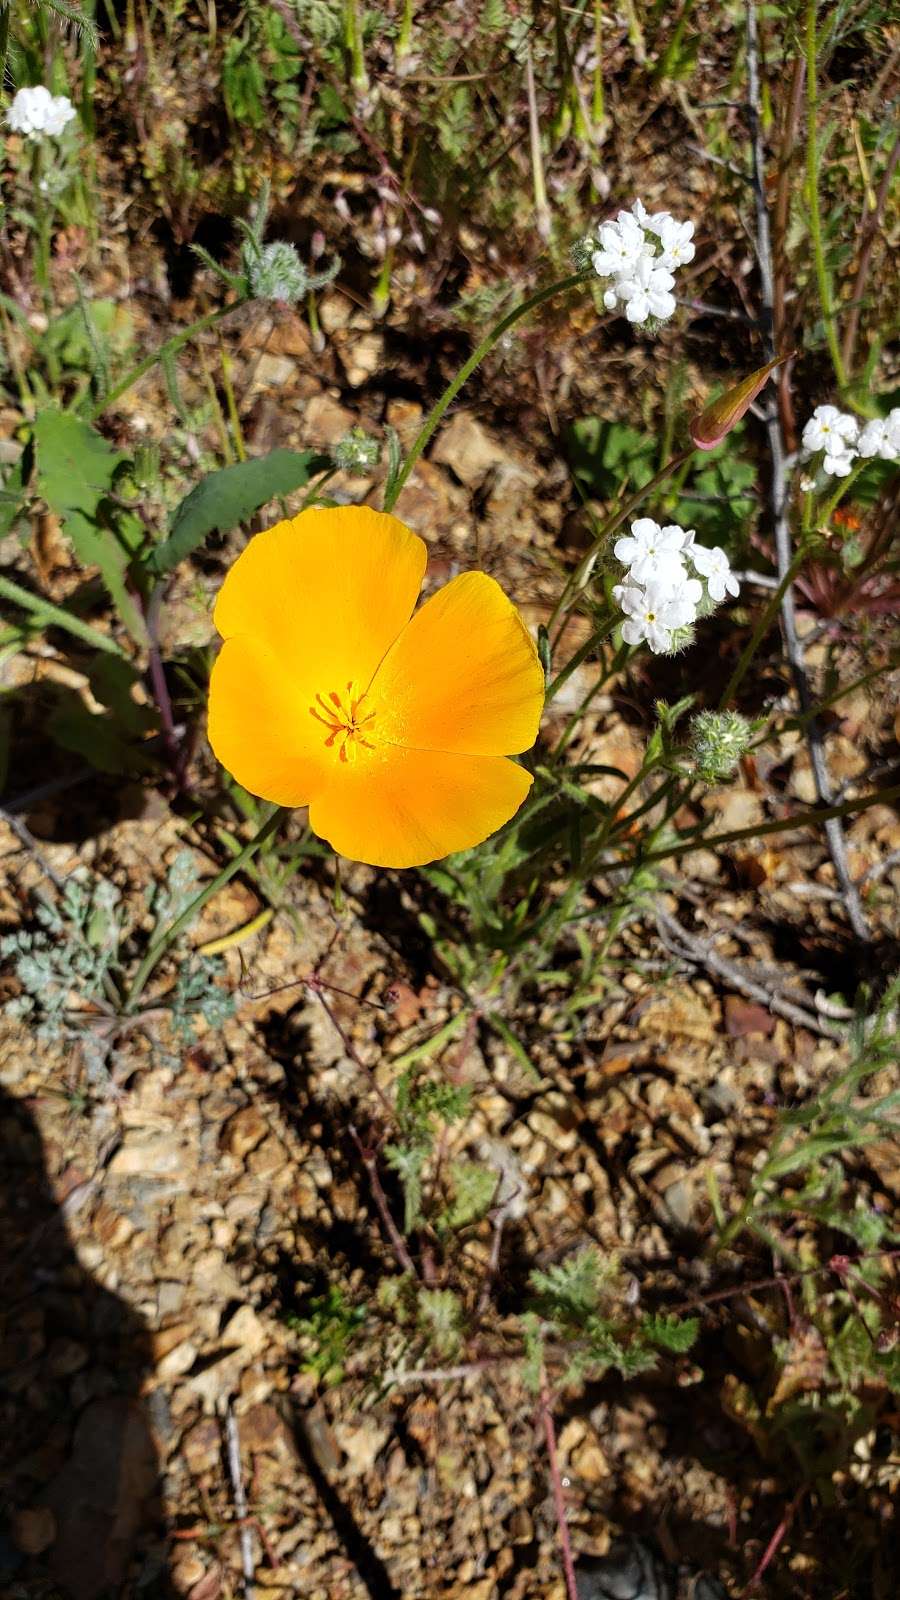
162	1231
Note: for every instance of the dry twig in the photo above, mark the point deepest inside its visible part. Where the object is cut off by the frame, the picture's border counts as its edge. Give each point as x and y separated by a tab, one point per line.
233	1452
701	952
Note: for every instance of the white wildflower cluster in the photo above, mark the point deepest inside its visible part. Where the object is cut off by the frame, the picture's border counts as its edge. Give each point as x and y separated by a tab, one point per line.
39	114
834	434
659	596
881	437
640	253
840	440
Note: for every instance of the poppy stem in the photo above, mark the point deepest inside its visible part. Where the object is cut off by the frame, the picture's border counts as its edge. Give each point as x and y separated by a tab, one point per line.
168	936
487	344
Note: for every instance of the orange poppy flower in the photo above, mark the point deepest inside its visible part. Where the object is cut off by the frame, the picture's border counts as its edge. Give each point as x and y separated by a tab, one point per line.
394	729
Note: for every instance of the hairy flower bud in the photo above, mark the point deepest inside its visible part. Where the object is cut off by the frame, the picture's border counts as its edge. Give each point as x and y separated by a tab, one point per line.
356	452
718	740
275	272
581	252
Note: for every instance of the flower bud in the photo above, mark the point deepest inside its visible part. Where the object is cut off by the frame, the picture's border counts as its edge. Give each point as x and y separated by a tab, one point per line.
718	740
276	272
357	452
720	416
581	252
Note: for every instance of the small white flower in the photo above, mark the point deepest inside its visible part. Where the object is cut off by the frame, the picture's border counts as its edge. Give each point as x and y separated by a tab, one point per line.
829	429
683	596
881	437
714	566
654	222
610	299
622	245
653	553
872	438
838	462
835	433
646	291
646	613
36	112
677	243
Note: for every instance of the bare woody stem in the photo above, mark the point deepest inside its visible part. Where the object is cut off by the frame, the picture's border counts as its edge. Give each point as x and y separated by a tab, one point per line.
465	372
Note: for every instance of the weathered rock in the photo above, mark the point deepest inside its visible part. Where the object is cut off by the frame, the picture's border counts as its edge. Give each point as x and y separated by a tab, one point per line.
243	1132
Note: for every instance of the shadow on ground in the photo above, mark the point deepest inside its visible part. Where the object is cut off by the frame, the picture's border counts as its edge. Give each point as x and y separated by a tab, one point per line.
79	1478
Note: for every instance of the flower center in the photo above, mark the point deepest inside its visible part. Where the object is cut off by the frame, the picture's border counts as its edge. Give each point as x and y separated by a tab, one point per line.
347	723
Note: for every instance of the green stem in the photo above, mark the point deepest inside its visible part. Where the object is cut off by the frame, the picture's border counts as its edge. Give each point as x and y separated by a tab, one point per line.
762	627
161	944
465	372
711	841
163	353
815	220
4	39
54	616
598	108
580	655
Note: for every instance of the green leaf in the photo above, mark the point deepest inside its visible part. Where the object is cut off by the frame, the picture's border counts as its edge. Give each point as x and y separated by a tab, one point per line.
75	472
473	1191
231	495
671	1333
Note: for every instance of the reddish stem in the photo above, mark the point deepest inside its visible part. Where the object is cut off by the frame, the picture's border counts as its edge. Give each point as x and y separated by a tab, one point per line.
559	1502
773	1544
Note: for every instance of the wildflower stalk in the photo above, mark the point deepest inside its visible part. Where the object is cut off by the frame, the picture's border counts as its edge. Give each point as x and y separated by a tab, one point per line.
159	946
581	654
51	616
163	353
403	47
541	208
465	372
768	616
359	78
559	1499
757	830
815	220
598	105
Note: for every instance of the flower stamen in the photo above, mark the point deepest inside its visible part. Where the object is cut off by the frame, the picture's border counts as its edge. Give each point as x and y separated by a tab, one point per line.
340	715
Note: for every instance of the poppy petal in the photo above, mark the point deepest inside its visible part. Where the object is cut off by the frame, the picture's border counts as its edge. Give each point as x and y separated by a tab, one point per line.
406	807
326	592
463	675
260	727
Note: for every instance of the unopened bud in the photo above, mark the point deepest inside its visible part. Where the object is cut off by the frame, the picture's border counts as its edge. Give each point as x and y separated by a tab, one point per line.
717	742
357	452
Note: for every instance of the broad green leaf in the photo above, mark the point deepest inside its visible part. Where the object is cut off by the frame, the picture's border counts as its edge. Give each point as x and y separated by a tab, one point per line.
231	495
75	472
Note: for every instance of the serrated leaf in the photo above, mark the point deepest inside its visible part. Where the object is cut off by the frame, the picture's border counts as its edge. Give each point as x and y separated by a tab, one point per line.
675	1334
473	1190
75	472
225	498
